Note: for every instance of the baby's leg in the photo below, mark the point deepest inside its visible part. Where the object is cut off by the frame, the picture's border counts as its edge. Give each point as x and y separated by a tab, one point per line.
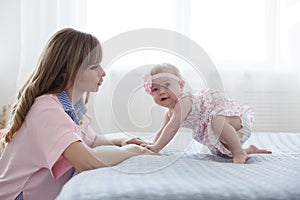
226	127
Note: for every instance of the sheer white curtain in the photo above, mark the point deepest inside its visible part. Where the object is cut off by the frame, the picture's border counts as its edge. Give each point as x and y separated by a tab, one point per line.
39	20
248	33
253	43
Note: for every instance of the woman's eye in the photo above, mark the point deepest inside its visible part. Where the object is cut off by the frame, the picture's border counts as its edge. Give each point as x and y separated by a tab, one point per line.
93	67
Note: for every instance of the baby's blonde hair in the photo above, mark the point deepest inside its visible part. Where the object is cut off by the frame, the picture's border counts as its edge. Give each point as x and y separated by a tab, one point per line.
166	68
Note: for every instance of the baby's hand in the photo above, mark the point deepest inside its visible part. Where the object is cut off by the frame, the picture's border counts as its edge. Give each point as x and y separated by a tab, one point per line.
146	144
152	147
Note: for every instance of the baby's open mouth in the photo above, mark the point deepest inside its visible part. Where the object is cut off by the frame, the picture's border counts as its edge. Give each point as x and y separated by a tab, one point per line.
162	99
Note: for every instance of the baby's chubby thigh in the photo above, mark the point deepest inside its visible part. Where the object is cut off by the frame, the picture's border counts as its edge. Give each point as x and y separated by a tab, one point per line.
235	122
245	131
219	122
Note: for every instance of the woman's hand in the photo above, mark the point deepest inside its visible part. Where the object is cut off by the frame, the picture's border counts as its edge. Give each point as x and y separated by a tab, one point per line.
136	140
133	148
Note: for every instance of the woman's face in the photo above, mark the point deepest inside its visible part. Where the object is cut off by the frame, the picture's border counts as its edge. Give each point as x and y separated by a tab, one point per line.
89	79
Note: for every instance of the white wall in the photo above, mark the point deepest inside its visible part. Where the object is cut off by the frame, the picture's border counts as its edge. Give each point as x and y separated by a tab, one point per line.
10	47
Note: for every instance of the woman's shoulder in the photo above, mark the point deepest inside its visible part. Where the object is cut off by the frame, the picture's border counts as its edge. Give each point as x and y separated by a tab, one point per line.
48	108
47	101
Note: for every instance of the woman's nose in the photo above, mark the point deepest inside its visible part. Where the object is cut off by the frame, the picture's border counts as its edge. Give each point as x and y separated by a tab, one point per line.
103	73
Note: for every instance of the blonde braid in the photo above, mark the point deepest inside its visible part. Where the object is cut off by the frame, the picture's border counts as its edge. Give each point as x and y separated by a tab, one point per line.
3	124
3	117
18	113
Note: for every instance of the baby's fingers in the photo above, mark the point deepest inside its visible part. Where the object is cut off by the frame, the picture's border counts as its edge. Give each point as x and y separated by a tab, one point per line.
143	144
149	152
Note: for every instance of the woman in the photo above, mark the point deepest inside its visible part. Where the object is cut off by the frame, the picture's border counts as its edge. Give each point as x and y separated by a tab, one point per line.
49	134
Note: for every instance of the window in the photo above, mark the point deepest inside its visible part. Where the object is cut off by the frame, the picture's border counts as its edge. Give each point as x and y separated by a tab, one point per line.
235	33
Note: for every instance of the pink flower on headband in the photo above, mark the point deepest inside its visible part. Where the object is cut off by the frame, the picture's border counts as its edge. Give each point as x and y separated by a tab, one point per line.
148	78
148	83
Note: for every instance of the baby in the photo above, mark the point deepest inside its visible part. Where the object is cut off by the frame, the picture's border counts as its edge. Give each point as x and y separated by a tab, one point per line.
217	122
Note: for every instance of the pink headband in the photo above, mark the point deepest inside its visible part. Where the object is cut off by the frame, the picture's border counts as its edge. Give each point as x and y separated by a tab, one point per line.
148	79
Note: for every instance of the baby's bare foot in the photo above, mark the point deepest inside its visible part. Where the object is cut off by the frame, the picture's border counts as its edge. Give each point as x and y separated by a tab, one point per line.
253	149
240	158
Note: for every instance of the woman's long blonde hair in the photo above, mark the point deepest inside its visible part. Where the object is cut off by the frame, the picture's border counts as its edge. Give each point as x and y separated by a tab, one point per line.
65	53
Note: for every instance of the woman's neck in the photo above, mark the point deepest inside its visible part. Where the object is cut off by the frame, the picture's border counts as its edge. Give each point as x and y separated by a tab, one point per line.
73	95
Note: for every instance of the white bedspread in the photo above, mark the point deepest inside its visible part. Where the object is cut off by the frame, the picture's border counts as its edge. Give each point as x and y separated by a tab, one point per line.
190	172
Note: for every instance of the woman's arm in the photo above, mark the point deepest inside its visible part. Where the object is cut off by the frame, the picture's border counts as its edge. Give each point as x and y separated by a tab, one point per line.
99	139
84	158
103	140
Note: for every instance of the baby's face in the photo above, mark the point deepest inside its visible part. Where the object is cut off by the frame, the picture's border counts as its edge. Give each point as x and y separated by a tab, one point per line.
165	91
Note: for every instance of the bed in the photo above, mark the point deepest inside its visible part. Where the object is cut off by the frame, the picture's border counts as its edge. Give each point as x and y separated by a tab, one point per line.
186	170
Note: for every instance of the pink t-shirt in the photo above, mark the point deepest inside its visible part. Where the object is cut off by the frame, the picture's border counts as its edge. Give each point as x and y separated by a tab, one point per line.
32	162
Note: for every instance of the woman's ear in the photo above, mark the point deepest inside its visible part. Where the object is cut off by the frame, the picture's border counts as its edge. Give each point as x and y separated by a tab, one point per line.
181	84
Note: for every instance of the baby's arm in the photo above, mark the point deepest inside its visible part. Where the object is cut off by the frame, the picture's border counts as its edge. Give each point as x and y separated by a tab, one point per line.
165	122
169	130
150	145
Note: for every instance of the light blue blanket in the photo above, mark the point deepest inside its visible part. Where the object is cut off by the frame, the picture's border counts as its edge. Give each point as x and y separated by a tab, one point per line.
195	174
